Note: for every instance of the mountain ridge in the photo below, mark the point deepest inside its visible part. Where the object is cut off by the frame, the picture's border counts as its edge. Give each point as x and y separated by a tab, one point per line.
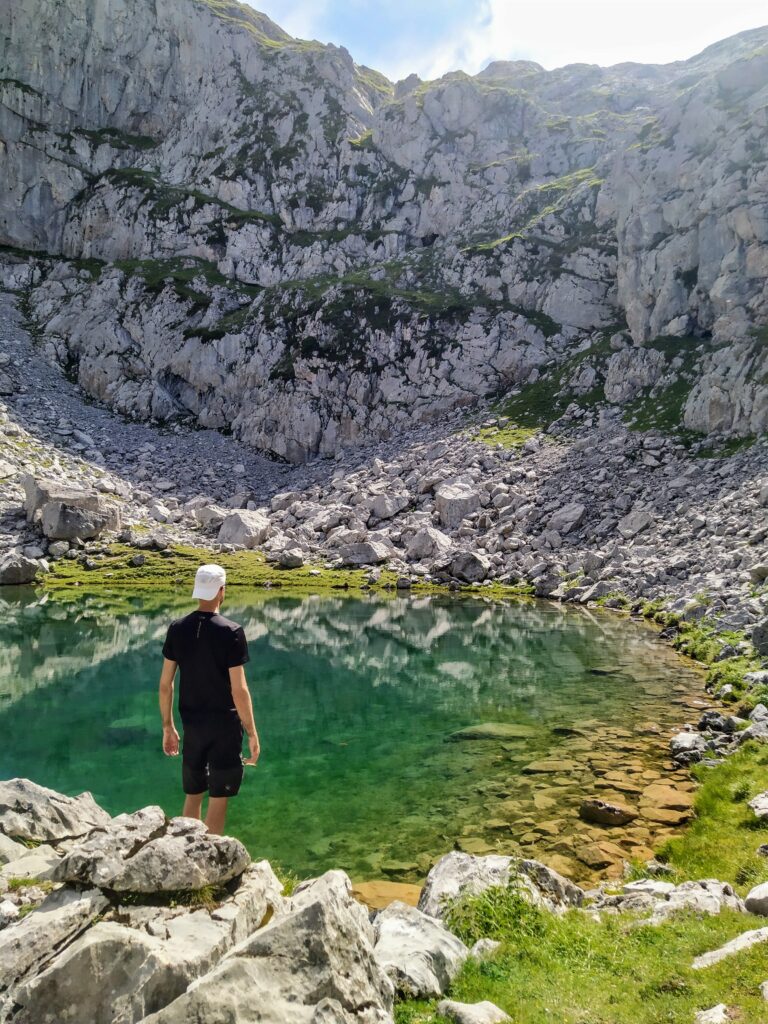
285	244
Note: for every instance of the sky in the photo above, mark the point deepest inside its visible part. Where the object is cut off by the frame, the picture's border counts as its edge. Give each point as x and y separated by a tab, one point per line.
432	37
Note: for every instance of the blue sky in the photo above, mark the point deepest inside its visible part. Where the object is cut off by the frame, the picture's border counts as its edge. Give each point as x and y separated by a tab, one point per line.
432	37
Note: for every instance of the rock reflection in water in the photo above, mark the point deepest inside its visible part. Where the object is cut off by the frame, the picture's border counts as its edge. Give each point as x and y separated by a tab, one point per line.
355	699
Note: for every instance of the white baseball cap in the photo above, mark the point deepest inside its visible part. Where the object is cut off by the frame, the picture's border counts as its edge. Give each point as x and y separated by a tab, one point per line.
209	579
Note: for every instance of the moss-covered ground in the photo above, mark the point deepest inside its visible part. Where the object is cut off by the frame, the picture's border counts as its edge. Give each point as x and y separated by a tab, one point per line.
174	569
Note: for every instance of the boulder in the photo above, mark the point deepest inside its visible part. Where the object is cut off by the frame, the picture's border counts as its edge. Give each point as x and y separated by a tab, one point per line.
61	521
457	873
601	812
291	558
145	852
744	941
494	731
428	543
29	811
40	862
687	747
706	896
312	963
567	518
633	523
9	913
16	569
40	492
759	805
210	515
714	1015
419	955
470	567
472	1013
756	900
61	916
455	500
363	553
244	527
384	506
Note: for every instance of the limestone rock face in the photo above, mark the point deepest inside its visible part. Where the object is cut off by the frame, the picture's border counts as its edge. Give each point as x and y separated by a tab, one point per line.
29	811
297	250
419	955
144	852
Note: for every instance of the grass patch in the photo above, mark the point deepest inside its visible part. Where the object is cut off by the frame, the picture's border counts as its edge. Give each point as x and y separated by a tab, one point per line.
722	840
14	884
573	970
208	897
508	437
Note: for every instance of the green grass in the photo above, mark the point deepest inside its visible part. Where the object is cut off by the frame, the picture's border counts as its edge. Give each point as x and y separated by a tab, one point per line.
14	884
573	970
722	839
508	437
208	897
163	573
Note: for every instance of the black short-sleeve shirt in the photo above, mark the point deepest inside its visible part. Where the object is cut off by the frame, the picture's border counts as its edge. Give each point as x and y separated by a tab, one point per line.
205	646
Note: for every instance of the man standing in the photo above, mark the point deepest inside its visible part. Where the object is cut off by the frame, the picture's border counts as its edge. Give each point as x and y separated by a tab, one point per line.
214	702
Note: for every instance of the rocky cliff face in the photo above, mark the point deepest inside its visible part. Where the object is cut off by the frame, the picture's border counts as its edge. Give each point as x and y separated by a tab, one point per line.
256	232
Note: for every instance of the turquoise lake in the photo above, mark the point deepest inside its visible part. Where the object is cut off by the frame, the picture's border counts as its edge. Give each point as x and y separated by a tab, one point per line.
356	701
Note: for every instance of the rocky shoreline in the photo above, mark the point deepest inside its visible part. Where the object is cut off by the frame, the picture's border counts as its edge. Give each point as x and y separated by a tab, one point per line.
140	918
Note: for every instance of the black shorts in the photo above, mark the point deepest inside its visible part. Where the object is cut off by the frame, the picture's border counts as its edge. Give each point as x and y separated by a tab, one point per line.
212	757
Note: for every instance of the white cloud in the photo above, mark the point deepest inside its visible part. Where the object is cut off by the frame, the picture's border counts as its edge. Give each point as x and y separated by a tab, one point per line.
604	32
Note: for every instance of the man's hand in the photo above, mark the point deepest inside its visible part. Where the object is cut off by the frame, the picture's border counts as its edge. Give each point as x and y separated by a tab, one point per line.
255	748
170	740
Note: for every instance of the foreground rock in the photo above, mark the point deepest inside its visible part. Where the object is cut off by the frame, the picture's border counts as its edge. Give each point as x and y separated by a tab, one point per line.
145	852
29	811
419	955
313	962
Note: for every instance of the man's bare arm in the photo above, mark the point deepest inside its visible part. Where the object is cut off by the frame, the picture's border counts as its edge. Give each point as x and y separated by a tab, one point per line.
242	698
170	736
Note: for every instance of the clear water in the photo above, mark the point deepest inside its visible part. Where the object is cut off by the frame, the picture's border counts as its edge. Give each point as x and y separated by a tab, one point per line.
355	700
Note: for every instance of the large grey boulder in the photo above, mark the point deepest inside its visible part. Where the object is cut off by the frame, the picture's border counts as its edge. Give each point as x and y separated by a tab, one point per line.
29	811
364	553
455	500
17	570
633	523
145	852
470	566
41	491
60	521
704	896
385	506
312	963
428	542
245	527
38	936
567	518
420	956
485	1012
39	862
458	873
118	971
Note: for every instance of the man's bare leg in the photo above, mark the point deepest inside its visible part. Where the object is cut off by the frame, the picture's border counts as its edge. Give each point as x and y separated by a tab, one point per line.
193	805
217	812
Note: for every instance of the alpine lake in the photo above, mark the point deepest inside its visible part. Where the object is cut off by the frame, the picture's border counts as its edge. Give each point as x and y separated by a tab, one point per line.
393	729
